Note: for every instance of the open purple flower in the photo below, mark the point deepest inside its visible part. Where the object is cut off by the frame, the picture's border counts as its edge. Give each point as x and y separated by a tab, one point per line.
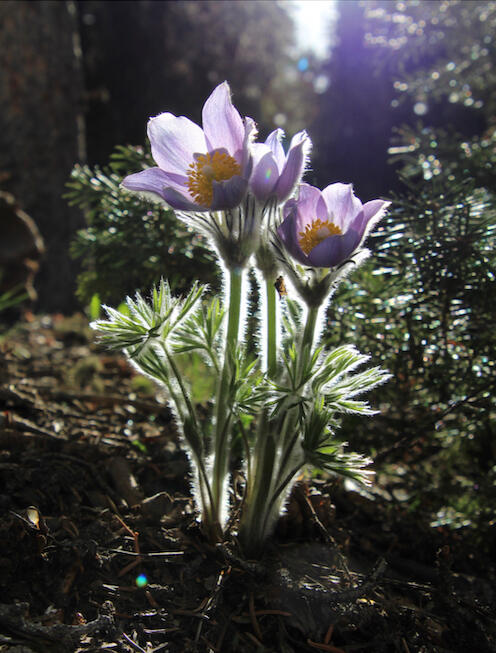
276	174
324	228
199	169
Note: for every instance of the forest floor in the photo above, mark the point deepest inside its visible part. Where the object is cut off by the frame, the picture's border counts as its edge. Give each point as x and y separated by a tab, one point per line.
100	549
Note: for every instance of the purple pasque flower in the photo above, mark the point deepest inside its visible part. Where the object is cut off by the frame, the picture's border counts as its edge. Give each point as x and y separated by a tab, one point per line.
323	229
275	173
199	169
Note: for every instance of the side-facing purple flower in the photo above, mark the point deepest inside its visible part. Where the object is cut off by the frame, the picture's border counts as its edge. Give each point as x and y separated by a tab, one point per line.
199	169
323	229
276	174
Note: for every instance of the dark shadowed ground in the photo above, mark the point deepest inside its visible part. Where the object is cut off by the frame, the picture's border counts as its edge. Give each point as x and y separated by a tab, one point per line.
100	550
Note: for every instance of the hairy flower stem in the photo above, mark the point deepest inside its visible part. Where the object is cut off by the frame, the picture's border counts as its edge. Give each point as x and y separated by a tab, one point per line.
258	487
289	437
308	338
277	459
223	417
263	454
271	326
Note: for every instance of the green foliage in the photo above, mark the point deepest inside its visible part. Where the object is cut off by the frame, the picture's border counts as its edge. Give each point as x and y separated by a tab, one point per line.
335	388
13	297
424	306
94	307
201	333
193	367
146	321
295	414
428	317
439	49
129	242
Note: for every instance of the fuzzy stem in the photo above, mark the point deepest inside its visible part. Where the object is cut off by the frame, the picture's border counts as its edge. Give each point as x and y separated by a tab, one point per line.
258	487
271	326
309	332
290	437
274	473
223	416
236	276
276	494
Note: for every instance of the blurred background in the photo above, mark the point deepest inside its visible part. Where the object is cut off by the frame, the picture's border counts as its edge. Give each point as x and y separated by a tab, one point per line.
78	78
398	98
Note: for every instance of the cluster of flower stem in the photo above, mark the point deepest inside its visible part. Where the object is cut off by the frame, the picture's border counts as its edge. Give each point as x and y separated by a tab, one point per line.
275	457
282	405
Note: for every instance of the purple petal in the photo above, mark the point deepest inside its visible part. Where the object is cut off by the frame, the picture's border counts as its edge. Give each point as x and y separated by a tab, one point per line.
358	224
289	207
222	124
322	212
334	250
273	142
156	181
152	180
342	204
287	233
174	140
265	177
259	150
370	215
373	212
307	204
295	165
180	201
228	194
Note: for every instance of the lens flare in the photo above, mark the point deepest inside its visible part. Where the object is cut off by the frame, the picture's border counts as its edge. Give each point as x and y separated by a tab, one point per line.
141	580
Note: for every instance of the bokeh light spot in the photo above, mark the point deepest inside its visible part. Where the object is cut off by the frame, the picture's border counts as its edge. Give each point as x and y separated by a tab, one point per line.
321	84
141	580
302	64
420	108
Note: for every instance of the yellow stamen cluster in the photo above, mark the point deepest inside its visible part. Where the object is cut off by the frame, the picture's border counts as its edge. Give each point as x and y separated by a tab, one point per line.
208	168
315	233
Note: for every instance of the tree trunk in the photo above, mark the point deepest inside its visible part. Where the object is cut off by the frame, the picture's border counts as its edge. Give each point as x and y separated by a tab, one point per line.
42	130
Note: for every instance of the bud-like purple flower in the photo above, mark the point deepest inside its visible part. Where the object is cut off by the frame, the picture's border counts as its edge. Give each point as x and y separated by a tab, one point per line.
276	174
323	229
199	169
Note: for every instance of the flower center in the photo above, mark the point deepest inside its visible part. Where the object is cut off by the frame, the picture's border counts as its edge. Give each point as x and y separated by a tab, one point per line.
315	233
208	168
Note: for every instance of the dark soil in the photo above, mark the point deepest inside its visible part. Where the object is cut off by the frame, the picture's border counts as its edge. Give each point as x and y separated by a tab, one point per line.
100	549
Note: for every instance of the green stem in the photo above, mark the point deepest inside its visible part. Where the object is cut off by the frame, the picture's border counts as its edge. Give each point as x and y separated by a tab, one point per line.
223	416
306	347
270	294
265	492
235	288
258	488
309	332
276	494
306	343
246	444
